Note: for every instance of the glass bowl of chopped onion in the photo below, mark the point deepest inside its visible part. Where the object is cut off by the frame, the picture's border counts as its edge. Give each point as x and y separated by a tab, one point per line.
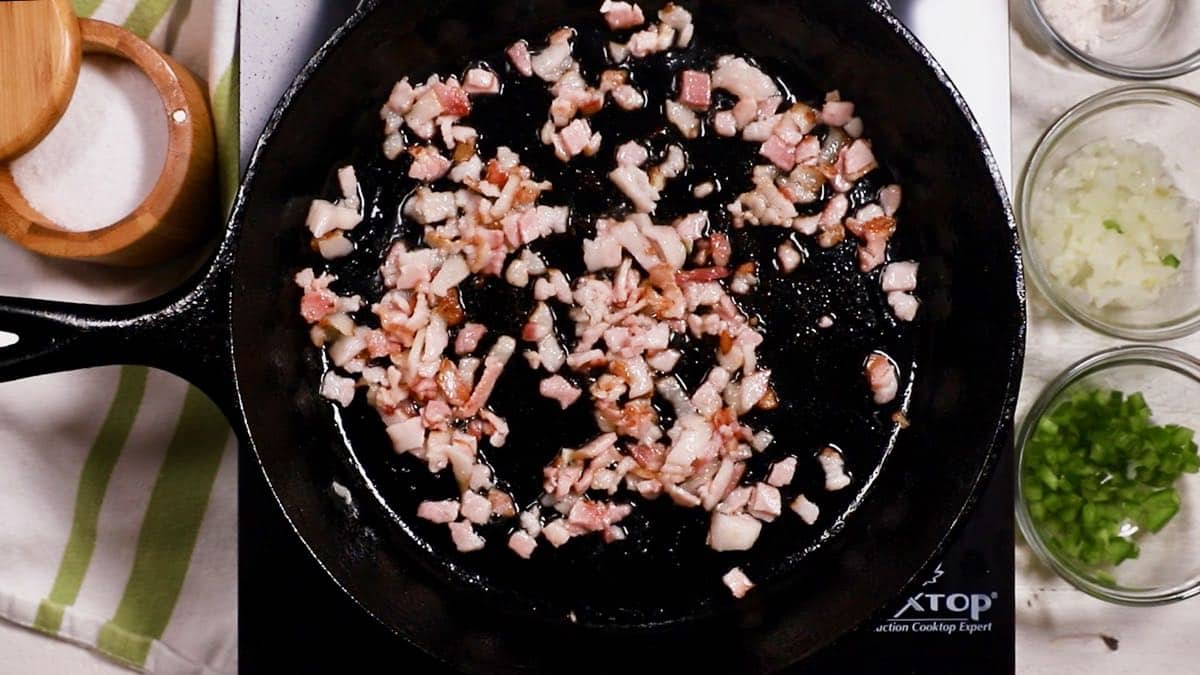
1108	207
1108	493
1128	39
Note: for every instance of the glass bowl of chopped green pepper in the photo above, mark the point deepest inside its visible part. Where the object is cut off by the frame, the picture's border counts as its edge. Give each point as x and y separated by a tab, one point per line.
1108	489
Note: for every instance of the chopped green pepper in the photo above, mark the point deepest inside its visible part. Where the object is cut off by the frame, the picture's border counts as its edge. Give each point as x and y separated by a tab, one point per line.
1113	225
1170	260
1098	472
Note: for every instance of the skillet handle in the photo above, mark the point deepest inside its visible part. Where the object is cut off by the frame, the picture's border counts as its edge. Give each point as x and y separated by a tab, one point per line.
185	333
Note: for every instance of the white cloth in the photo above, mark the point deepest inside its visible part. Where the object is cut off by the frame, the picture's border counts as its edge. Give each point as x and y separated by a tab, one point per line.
1058	627
137	530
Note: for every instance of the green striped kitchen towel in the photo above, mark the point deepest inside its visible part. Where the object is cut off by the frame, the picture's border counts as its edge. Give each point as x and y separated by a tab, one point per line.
118	486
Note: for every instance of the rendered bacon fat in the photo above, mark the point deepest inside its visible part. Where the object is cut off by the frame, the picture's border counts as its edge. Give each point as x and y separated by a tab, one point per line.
606	338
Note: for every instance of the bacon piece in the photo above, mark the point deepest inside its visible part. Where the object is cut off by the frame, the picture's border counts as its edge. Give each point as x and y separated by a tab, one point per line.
573	139
789	257
733	532
476	508
738	583
780	153
452	98
325	217
493	365
445	511
808	511
464	537
683	118
701	275
837	113
782	472
428	164
315	305
695	89
620	15
857	160
481	81
889	199
557	388
337	388
407	435
834	467
555	60
765	503
899	276
556	532
522	544
635	184
881	376
468	338
903	305
518	55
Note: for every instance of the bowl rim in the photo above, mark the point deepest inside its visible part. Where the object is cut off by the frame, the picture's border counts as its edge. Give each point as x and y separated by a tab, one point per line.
1155	356
1180	66
1095	104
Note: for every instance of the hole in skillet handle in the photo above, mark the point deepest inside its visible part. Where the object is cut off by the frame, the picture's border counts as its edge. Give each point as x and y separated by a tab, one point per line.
184	332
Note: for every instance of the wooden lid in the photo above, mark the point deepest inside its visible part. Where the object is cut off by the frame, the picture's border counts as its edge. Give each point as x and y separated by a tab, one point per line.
39	64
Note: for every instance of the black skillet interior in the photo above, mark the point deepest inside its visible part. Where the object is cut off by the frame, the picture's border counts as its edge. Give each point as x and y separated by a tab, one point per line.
964	354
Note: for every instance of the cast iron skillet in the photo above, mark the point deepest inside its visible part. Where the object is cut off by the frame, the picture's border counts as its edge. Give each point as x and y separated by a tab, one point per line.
234	332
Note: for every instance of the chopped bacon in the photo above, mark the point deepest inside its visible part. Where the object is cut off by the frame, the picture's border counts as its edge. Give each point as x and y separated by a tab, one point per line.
789	257
684	119
782	472
522	544
780	153
701	275
476	508
695	89
899	276
468	338
834	467
837	113
807	510
337	388
556	532
647	285
729	532
481	81
453	99
738	583
518	55
317	304
557	388
428	164
621	15
889	199
464	537
442	512
903	305
634	182
881	375
493	365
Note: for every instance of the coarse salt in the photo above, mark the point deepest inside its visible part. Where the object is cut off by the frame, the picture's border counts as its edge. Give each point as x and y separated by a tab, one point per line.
104	155
1086	23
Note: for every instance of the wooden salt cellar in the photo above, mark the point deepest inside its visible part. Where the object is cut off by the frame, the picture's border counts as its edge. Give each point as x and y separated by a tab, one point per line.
178	212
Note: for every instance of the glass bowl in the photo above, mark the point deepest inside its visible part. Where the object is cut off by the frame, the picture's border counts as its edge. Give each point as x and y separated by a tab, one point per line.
1160	116
1159	39
1167	568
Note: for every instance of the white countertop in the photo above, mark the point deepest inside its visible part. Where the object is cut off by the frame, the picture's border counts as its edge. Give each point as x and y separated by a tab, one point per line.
1058	628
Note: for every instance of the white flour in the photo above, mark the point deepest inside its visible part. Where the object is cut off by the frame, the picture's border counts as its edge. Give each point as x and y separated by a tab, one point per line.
104	155
1086	23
